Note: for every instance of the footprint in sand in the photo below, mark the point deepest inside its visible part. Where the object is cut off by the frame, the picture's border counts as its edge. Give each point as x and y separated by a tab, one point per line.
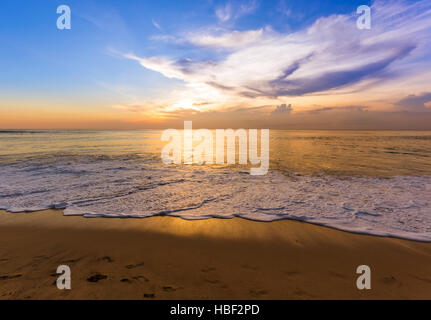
107	259
212	281
245	266
391	280
9	277
302	294
423	279
141	277
132	266
70	261
97	277
125	280
291	273
41	257
258	292
149	295
170	288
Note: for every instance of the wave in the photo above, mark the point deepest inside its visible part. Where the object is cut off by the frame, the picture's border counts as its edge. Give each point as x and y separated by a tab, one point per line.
110	187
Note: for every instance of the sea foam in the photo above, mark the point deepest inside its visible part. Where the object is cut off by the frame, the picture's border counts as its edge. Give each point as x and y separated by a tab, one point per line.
398	206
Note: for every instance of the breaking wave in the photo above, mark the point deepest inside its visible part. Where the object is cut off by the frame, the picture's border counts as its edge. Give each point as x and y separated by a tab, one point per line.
131	187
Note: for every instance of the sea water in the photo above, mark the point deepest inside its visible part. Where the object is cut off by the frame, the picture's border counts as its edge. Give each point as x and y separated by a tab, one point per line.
373	182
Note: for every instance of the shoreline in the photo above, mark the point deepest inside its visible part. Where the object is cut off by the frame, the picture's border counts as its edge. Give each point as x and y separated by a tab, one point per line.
318	224
172	258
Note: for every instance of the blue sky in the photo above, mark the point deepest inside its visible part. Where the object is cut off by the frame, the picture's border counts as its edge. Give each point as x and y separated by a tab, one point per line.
80	57
149	57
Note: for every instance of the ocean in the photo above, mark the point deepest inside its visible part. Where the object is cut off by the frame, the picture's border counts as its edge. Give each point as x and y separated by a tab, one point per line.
371	182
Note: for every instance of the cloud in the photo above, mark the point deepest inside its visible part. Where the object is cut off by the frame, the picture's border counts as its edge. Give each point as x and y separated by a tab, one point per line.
415	103
224	13
282	109
143	108
248	7
235	9
227	40
335	78
165	66
339	108
328	57
131	108
168	38
323	118
216	38
155	24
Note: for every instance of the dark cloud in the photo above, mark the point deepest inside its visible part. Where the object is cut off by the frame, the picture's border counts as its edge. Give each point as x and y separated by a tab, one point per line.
414	103
335	79
250	109
343	108
282	109
324	118
200	104
285	86
219	86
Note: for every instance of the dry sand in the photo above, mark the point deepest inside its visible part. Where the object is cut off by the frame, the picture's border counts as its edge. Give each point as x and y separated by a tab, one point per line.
170	258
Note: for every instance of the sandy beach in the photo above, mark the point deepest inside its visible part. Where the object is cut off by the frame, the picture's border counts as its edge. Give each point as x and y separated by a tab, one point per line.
171	258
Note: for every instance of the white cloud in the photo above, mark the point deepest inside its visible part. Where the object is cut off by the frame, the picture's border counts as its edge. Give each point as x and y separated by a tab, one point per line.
228	39
224	13
163	65
248	7
155	24
235	9
329	55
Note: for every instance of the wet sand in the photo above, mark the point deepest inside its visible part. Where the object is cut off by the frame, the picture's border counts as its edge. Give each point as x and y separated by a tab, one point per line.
170	258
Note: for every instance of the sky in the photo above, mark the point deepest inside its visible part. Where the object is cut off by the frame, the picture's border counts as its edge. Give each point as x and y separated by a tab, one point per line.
246	63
